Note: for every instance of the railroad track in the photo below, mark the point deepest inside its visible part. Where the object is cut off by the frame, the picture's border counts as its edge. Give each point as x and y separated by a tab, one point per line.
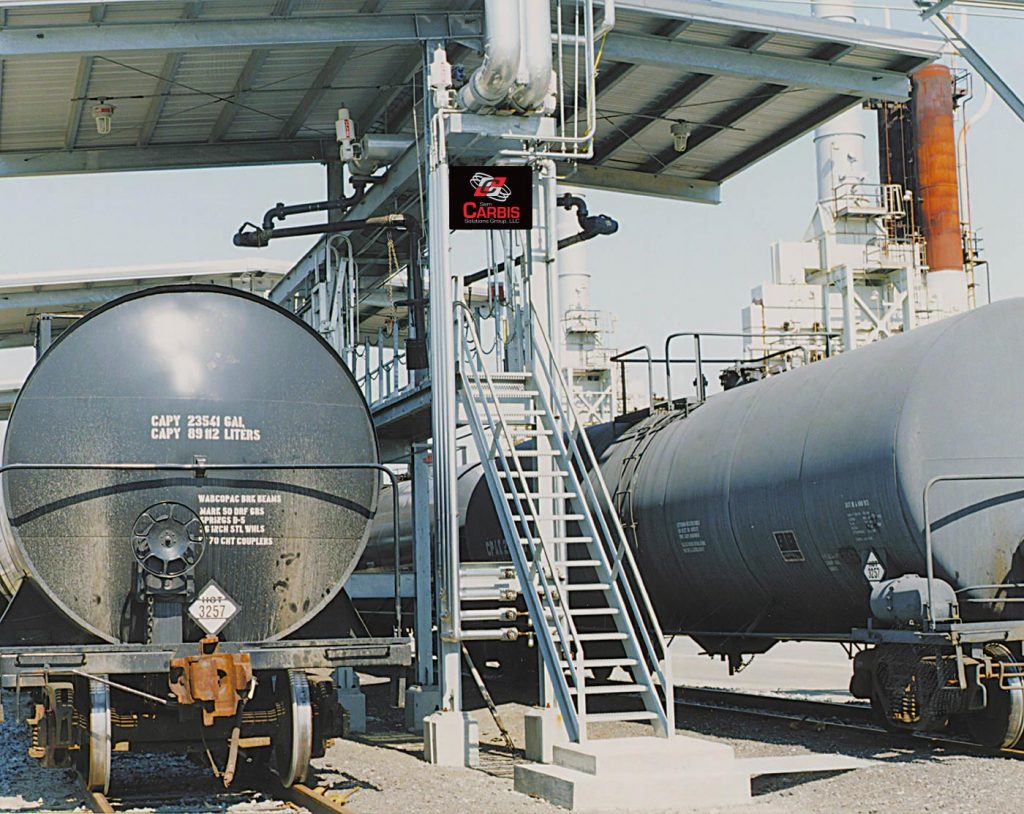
316	800
852	716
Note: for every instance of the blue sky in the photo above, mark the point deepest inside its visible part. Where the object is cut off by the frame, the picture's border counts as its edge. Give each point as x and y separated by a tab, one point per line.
672	265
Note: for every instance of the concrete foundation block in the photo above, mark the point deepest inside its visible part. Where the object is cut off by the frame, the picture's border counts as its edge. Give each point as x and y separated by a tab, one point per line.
637	774
644	774
634	789
544	730
353	701
419	703
451	739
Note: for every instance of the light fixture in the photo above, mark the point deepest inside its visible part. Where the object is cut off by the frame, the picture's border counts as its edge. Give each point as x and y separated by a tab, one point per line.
103	114
680	136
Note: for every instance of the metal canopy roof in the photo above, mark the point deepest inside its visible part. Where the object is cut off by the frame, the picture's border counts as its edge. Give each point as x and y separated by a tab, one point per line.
228	82
65	293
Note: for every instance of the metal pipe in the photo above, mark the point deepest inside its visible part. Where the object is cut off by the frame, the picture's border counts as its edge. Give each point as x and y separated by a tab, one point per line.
280	212
488	86
535	55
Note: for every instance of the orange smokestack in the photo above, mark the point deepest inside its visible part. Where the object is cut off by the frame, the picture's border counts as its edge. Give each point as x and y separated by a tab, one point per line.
936	168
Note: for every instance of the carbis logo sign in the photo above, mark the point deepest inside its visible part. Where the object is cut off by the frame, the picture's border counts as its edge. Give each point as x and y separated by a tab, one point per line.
491	197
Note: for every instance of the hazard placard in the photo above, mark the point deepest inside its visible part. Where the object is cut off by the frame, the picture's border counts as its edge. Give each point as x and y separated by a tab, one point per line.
213	608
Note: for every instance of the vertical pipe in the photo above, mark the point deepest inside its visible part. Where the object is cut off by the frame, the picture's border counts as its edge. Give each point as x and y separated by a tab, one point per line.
938	188
701	389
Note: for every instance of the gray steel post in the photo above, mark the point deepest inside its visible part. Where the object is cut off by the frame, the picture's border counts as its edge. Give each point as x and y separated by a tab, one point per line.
443	413
44	334
423	622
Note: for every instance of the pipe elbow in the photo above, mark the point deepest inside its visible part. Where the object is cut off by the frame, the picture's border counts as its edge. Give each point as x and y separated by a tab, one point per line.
489	84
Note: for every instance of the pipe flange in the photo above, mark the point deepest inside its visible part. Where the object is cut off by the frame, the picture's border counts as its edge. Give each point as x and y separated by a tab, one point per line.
168	540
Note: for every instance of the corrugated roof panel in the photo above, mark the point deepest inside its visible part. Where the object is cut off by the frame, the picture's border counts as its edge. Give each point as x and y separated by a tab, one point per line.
34	108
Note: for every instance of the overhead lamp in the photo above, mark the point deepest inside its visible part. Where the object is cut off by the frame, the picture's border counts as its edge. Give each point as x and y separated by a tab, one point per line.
680	136
103	114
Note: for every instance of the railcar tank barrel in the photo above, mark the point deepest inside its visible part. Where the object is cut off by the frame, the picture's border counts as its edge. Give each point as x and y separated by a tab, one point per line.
250	403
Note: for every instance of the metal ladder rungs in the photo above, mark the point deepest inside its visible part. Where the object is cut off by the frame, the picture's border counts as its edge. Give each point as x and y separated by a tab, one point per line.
586	586
537	496
558	473
577	563
543	517
538	453
570	540
622	716
603	663
611	689
594	612
600	637
510	376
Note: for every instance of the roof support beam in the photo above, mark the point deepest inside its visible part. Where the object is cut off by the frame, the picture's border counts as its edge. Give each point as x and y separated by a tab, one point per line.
168	71
78	105
780	138
324	79
606	80
735	62
243	84
648	115
165	157
703	133
637	183
265	33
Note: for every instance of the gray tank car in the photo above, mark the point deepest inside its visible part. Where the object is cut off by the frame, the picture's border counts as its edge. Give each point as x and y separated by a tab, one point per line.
777	509
189	476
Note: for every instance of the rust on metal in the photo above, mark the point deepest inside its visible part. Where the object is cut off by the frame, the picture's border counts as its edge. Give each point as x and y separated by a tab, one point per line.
217	681
936	167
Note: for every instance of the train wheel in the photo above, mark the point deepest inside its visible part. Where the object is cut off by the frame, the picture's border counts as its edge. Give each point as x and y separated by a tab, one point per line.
293	744
1001	724
93	761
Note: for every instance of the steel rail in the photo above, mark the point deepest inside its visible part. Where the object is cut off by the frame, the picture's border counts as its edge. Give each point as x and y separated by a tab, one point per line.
851	716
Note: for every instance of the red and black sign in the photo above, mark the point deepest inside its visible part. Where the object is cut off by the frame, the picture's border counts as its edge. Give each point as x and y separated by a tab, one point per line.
491	197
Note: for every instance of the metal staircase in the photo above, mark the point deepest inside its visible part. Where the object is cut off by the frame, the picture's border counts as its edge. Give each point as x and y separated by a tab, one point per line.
584	594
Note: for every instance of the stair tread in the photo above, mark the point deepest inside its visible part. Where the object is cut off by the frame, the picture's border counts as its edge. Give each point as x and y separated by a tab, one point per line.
616	662
638	715
611	689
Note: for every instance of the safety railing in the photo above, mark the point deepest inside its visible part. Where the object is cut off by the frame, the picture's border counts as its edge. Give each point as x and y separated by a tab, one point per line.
881	199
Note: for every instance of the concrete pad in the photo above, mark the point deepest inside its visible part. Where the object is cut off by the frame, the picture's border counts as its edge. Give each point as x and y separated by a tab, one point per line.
796	764
632	788
451	739
353	701
647	754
